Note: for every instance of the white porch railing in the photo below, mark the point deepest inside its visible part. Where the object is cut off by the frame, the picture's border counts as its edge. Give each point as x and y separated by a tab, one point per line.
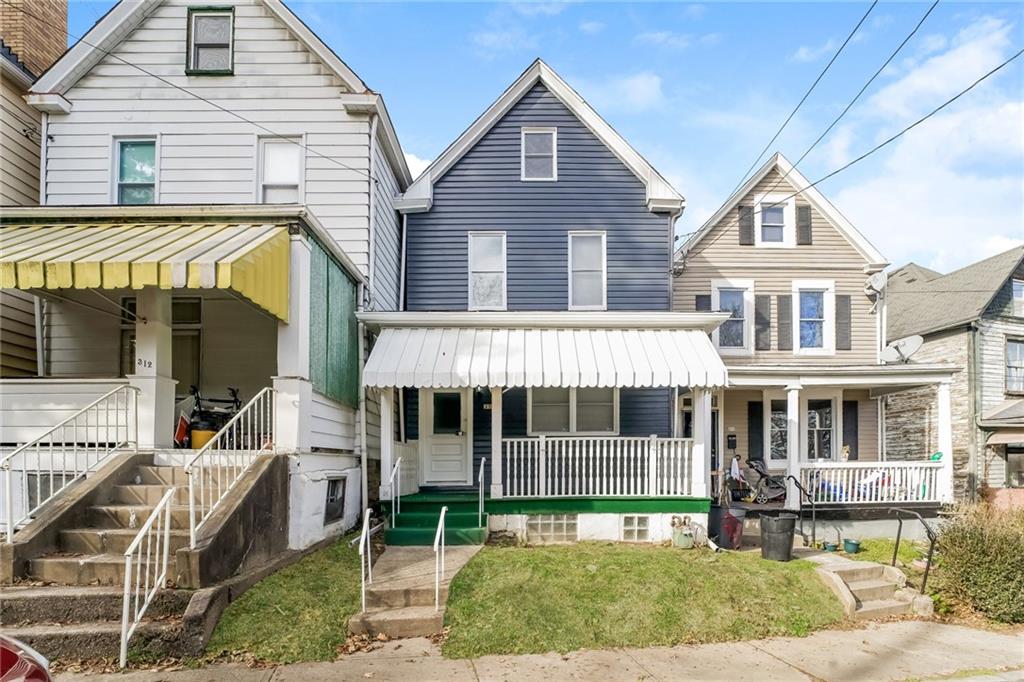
599	466
67	452
145	568
395	488
874	482
217	466
439	558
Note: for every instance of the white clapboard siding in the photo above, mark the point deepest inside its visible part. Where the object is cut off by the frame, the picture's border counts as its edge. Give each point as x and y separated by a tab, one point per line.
80	342
387	236
17	334
30	407
333	425
19	166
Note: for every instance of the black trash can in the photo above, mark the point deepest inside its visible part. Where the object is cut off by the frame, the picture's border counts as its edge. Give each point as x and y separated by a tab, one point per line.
777	536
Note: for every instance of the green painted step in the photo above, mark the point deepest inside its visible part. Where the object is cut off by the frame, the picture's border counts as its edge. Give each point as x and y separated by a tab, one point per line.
428	519
425	536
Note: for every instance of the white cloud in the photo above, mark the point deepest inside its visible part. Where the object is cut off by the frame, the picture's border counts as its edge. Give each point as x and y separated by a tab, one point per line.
591	27
837	149
511	38
812	53
664	39
539	8
633	93
416	164
695	11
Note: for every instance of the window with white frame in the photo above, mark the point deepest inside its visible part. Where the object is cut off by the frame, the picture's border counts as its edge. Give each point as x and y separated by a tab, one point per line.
775	221
558	410
210	41
778	429
487	271
1018	297
281	170
539	154
735	297
588	271
814	306
819	428
135	172
1015	365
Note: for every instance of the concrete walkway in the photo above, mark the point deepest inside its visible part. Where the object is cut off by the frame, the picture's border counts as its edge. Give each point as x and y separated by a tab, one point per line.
883	651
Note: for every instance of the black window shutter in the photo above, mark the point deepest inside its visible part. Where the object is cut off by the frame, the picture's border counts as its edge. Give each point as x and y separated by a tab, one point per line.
784	321
755	430
803	224
850	426
746	225
763	322
703	303
843	322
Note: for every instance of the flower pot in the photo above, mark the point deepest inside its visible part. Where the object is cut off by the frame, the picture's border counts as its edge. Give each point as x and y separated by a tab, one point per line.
851	546
830	546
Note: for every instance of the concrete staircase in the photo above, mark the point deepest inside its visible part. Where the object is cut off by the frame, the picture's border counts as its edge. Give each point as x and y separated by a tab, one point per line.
875	594
400	601
416	525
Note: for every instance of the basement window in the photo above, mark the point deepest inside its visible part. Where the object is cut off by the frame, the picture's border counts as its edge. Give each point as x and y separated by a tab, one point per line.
636	528
334	505
210	41
546	529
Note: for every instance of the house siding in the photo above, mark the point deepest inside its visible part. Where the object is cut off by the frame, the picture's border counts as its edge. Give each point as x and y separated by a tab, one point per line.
387	248
483	191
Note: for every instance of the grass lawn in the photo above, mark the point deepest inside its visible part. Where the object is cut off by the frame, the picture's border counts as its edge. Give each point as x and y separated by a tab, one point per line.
299	613
880	551
514	600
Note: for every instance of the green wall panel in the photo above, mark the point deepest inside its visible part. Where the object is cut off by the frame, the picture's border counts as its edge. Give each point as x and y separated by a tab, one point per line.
333	352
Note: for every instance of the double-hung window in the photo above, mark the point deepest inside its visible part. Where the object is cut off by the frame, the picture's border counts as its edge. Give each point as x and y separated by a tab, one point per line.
775	221
557	410
539	159
814	309
1015	365
281	170
487	271
588	272
819	429
210	41
736	297
1018	297
135	171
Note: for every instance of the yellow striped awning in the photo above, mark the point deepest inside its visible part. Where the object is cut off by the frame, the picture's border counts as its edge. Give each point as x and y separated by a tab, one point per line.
250	259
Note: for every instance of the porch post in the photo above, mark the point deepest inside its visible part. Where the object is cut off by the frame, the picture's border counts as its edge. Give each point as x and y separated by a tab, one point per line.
496	463
792	444
387	441
701	467
294	397
945	426
152	375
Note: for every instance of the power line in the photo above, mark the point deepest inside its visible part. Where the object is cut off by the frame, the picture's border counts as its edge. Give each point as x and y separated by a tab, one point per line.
806	95
190	93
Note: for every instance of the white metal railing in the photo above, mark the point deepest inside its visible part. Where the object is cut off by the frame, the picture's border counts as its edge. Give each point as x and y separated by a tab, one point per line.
145	568
874	482
217	466
597	466
439	559
67	452
395	491
365	556
480	484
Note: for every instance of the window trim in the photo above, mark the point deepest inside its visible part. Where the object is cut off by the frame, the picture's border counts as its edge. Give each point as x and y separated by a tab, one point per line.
115	166
747	285
261	141
604	268
1006	364
1010	450
554	152
828	332
788	221
469	271
767	396
572	415
193	12
1016	304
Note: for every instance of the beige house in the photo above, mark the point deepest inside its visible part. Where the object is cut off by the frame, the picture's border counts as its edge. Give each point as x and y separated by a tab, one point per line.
802	346
973	317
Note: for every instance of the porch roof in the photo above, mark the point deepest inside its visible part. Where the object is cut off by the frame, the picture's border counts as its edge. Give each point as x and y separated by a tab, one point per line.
249	258
435	350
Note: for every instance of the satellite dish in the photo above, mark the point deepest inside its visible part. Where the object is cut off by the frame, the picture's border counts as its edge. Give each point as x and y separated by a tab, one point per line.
877	282
900	350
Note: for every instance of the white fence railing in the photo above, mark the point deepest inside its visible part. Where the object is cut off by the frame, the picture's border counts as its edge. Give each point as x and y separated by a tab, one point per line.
365	557
40	469
600	466
145	568
439	558
480	501
395	488
875	482
217	466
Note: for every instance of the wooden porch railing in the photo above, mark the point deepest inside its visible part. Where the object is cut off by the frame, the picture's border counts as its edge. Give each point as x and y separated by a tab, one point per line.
876	482
599	466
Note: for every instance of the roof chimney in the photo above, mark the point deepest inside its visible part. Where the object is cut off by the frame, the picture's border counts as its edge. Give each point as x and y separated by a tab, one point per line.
35	30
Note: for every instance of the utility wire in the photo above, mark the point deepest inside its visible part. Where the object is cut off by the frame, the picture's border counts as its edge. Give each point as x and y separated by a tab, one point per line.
190	93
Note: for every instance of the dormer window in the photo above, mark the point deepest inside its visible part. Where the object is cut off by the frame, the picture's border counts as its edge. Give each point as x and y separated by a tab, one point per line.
539	160
210	38
775	221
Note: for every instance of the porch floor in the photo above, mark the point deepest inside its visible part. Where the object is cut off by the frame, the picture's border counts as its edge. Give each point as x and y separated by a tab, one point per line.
469	501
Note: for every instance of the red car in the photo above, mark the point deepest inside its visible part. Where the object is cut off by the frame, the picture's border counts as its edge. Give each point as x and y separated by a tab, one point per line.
21	663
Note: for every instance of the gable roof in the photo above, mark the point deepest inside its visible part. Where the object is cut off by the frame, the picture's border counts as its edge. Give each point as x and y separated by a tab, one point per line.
14	67
875	260
661	196
921	301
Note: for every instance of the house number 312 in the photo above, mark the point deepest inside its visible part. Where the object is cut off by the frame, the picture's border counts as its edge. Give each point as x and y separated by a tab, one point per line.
147	364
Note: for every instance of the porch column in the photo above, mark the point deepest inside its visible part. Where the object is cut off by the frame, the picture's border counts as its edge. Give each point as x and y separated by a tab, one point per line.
152	375
792	444
945	426
496	395
387	442
701	486
294	398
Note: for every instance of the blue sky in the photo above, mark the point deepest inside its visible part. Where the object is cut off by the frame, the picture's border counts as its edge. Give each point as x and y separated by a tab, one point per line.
699	89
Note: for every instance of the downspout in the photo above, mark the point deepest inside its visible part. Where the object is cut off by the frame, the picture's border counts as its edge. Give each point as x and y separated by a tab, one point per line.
973	385
372	183
43	152
401	274
363	455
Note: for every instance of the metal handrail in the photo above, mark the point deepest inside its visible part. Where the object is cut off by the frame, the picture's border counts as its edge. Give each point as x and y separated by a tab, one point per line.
480	483
929	531
365	556
131	429
814	514
256	419
439	559
157	546
396	499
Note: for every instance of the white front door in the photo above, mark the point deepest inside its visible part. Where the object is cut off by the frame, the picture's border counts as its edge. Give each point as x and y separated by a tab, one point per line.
445	436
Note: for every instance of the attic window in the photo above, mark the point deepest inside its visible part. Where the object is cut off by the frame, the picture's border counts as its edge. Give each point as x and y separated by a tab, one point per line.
210	38
539	154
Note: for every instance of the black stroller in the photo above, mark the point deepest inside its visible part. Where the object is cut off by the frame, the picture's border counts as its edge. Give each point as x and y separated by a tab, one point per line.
769	487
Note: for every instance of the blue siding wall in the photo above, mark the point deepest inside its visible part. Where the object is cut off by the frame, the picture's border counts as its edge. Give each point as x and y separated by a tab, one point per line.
594	191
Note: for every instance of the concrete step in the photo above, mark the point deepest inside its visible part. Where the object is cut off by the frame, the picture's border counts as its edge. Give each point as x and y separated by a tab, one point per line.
393	595
132	515
110	540
409	621
147	494
85	569
872	590
425	536
881	608
861	571
420	519
75	604
96	640
159	475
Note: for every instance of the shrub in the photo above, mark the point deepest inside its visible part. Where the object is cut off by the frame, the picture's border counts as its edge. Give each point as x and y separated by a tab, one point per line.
981	561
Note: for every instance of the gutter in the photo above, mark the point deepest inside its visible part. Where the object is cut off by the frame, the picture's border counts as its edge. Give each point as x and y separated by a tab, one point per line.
371	183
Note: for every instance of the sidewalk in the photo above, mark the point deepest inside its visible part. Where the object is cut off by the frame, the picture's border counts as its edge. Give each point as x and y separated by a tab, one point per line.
884	651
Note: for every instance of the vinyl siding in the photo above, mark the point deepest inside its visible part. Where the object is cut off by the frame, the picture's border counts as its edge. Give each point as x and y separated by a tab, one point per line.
17	334
483	191
387	235
994	330
19	167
